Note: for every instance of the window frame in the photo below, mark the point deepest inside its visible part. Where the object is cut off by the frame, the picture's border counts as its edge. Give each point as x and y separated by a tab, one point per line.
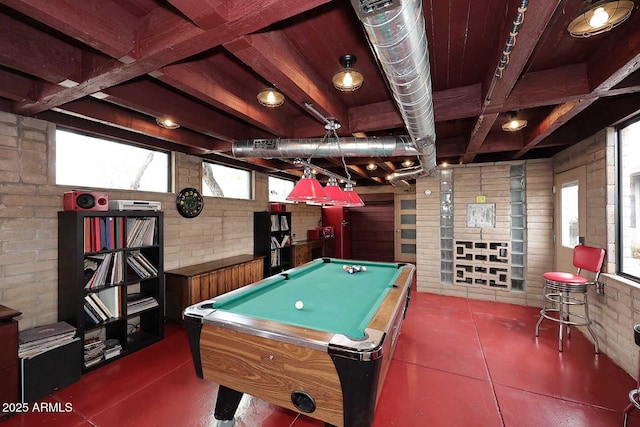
293	182
619	200
251	175
111	139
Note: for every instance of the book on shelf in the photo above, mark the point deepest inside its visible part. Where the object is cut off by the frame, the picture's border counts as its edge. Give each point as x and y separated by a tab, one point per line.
141	231
138	302
93	307
141	265
275	257
103	233
274	223
110	297
41	339
112	348
276	244
103	305
89	315
284	223
103	269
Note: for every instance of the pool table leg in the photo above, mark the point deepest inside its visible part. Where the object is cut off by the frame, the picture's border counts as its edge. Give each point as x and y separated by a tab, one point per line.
227	404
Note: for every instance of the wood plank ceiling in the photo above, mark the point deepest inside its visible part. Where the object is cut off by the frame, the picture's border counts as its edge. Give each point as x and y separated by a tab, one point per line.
112	66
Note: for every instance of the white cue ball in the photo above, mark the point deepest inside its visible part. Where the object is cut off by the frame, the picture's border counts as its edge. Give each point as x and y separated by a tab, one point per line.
363	268
299	305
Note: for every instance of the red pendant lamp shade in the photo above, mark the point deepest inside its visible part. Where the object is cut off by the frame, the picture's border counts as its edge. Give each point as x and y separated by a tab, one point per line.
352	197
335	193
308	189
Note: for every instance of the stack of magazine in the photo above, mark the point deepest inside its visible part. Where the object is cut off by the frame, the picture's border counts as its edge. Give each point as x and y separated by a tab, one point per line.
138	302
33	342
93	351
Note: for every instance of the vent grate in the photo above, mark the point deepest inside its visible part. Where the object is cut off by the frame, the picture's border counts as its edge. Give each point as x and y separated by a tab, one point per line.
368	7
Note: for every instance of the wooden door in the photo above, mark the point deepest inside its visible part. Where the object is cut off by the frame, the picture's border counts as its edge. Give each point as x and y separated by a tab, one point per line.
405	227
570	215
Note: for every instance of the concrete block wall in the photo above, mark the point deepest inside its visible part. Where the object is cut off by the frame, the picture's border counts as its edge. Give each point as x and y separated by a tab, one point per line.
616	311
30	201
490	180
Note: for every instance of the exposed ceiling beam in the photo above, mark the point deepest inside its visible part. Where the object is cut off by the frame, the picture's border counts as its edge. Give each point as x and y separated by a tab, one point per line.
154	100
103	113
273	56
206	14
166	39
102	24
496	90
206	84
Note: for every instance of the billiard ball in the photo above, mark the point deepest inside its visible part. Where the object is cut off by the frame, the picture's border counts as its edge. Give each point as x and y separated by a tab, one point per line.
299	305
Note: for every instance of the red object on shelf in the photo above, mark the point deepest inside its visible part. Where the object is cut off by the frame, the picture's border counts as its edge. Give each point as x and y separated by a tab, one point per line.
320	233
278	207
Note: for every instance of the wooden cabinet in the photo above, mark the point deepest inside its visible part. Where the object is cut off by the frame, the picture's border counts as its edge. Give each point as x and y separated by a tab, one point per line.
301	253
191	284
121	309
272	239
311	249
8	356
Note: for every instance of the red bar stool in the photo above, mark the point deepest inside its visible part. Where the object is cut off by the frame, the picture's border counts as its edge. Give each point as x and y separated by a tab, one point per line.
564	292
634	395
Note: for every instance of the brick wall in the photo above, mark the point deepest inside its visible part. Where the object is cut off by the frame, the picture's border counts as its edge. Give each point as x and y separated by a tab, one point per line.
30	200
616	312
490	180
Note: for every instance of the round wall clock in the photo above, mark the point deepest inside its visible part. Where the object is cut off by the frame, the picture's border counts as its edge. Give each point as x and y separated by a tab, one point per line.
189	202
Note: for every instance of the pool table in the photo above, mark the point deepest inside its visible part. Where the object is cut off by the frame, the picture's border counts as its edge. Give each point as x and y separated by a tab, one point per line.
327	359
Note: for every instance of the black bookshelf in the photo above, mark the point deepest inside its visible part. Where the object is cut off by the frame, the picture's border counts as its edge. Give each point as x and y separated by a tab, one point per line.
123	305
272	239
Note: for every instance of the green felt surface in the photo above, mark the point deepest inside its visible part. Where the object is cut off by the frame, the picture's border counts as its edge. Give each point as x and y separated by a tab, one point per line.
334	300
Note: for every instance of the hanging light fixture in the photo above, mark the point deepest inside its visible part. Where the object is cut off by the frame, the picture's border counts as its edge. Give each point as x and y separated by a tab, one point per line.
270	97
352	197
514	124
348	79
308	189
335	193
167	123
600	17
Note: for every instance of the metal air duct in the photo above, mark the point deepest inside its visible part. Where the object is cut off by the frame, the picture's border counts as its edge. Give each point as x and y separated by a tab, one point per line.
326	147
398	36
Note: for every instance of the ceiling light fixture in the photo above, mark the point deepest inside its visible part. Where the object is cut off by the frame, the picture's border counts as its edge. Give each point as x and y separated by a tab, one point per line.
270	97
372	166
600	17
514	123
348	79
167	123
407	163
308	189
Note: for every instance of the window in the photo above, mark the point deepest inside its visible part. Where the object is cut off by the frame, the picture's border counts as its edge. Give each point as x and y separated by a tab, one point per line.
95	162
279	189
225	181
569	215
628	242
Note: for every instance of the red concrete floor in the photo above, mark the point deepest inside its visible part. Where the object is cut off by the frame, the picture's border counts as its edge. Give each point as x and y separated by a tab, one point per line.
458	362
